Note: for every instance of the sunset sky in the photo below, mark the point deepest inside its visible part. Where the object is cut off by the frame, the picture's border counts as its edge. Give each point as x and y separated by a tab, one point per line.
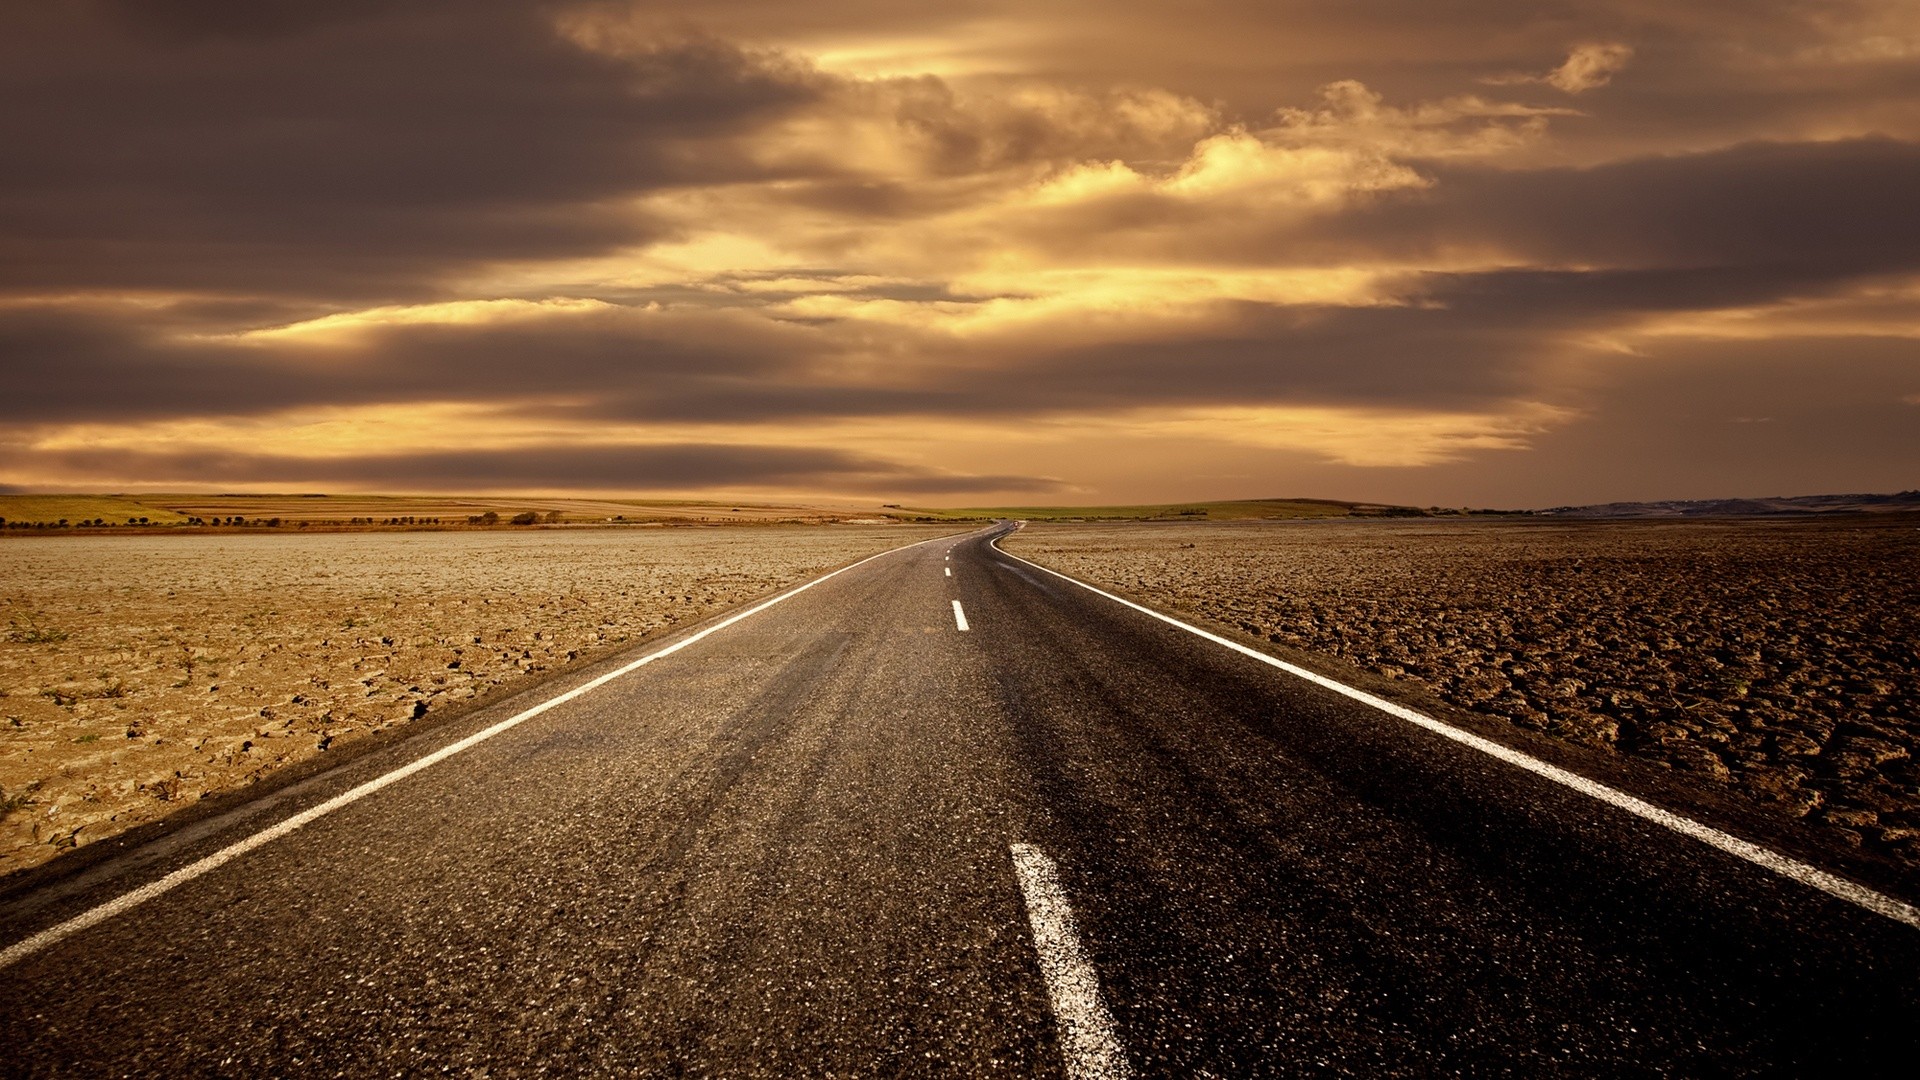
1442	253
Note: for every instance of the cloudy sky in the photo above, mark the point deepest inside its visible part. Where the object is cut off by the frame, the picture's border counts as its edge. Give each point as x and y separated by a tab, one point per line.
1430	251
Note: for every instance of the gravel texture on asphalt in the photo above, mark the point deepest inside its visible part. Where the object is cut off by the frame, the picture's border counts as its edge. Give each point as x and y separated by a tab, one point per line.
1776	659
139	674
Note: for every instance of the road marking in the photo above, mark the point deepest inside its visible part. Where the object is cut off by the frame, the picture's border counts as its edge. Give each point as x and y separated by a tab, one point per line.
1087	1039
959	616
20	950
1785	865
949	570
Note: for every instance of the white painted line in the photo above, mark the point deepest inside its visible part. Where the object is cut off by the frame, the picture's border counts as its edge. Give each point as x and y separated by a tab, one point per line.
959	616
1785	865
20	950
949	571
1087	1039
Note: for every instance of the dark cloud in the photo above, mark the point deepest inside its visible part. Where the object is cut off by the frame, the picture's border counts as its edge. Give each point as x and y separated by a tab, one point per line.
68	365
685	467
1802	210
1682	419
186	20
367	151
1703	419
1475	342
731	368
1796	214
1389	357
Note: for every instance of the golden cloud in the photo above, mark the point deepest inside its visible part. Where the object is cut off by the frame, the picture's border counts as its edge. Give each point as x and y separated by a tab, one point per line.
1589	66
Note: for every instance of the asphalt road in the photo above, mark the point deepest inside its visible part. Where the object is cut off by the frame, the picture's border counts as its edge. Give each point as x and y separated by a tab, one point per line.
789	849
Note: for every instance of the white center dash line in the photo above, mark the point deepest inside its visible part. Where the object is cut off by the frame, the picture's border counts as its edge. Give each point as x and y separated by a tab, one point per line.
949	571
126	901
1087	1038
959	616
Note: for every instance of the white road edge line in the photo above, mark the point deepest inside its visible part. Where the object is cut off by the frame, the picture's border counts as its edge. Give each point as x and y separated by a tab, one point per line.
1087	1039
1785	865
959	616
26	947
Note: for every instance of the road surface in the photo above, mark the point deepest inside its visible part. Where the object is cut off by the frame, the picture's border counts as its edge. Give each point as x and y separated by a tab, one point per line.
943	813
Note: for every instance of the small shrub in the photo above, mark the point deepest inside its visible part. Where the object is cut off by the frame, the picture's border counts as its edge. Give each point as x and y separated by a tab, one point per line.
19	800
32	633
527	517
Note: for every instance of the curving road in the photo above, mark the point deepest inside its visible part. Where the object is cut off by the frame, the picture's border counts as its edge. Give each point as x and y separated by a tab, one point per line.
943	813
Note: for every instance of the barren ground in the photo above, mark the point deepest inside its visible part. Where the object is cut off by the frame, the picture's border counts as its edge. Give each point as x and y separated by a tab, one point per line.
1777	659
140	673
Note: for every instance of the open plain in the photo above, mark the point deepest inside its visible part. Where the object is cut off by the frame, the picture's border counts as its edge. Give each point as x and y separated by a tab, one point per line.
141	673
1774	659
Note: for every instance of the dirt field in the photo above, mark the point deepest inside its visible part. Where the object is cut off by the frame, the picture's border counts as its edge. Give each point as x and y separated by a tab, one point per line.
138	673
205	510
1774	658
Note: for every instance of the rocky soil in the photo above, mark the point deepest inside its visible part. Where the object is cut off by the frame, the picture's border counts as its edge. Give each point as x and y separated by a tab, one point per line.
141	673
1778	659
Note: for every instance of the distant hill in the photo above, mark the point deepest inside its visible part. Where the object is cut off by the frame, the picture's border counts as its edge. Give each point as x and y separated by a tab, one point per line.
1227	510
1777	506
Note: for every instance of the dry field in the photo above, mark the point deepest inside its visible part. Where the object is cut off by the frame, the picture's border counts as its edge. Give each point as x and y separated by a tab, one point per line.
1777	659
139	673
208	510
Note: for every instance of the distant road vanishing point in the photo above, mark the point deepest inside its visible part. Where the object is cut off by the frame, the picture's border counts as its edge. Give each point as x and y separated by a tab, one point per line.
944	812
